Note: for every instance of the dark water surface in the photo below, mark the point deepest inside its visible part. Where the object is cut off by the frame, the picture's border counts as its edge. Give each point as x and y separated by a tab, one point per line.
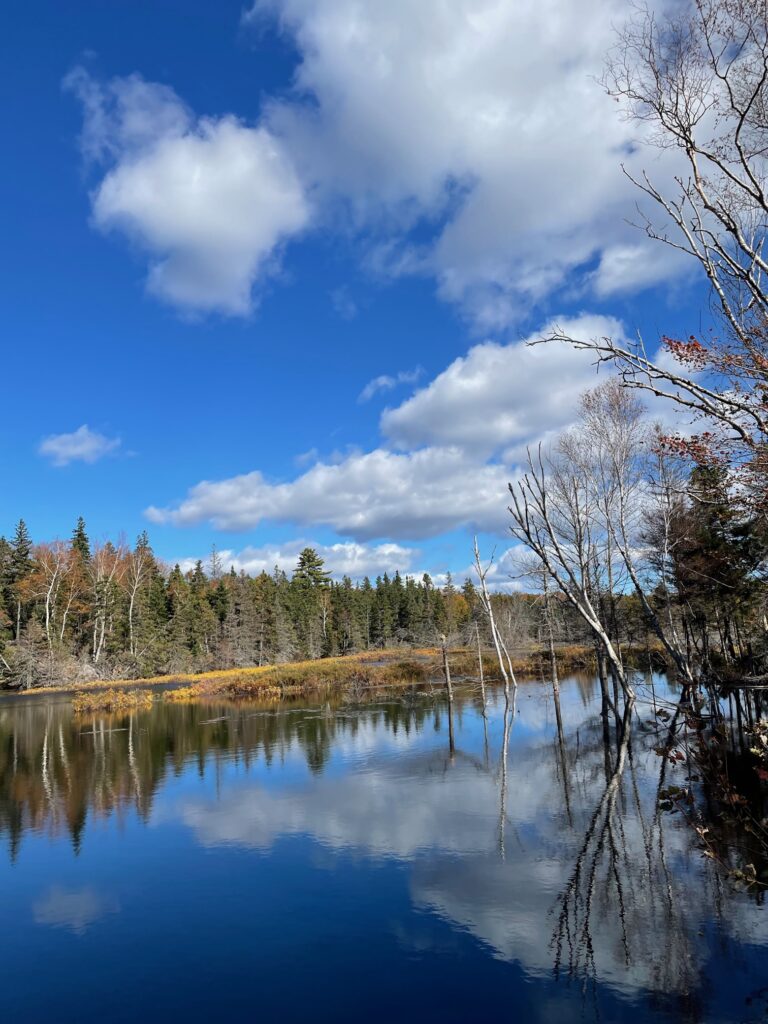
340	864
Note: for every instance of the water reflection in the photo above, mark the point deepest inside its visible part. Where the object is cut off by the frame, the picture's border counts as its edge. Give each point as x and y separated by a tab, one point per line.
74	909
56	769
535	834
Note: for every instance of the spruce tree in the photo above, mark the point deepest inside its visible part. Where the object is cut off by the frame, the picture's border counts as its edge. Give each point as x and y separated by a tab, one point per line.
21	567
5	595
80	543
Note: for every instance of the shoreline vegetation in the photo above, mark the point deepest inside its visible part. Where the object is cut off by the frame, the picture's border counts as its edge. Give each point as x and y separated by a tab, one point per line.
353	675
112	701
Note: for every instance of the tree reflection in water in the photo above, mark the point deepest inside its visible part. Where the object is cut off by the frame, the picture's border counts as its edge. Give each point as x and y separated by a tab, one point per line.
625	887
598	884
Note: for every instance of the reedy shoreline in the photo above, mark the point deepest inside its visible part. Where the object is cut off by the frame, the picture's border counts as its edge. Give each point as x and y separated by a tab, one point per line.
351	674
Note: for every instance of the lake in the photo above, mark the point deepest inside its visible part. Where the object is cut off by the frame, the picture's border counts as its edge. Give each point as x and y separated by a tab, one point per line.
340	863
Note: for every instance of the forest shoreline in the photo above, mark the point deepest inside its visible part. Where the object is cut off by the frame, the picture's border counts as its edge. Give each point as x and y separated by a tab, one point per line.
387	667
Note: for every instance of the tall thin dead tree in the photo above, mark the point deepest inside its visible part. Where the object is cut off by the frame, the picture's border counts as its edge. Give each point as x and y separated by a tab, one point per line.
480	668
502	653
448	688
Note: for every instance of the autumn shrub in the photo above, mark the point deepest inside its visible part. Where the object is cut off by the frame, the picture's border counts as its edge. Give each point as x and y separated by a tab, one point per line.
111	701
273	682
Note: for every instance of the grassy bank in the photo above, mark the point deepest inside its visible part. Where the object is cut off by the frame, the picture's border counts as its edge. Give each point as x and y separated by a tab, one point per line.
113	700
360	673
355	673
351	674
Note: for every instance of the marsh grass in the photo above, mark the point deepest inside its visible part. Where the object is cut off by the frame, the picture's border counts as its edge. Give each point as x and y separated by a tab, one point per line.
526	663
277	681
112	700
353	673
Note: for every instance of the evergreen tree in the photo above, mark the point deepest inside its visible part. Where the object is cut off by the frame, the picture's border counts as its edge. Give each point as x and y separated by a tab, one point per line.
123	612
286	642
717	556
80	543
264	595
21	566
147	602
5	591
310	604
6	617
310	571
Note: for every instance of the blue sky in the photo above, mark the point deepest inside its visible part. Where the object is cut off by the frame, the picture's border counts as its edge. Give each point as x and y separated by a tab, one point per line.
222	224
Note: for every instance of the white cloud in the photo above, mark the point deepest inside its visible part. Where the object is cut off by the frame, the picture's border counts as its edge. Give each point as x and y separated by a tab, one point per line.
341	559
386	382
480	122
460	440
499	396
629	266
481	119
82	445
209	199
375	494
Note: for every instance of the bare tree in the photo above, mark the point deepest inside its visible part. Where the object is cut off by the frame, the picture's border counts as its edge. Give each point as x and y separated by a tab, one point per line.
502	652
553	515
613	422
699	79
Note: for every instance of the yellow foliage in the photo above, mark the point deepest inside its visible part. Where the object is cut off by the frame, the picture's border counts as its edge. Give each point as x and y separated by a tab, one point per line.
276	681
112	700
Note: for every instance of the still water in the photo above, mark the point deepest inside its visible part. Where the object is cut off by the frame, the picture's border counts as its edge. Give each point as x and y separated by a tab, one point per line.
205	863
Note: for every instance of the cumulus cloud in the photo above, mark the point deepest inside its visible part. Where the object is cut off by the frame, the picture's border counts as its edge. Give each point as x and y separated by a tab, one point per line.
502	396
341	559
82	445
210	200
629	266
479	123
386	382
481	120
373	494
457	443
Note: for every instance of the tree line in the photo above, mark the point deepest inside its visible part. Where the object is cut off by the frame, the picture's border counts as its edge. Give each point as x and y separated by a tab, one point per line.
76	609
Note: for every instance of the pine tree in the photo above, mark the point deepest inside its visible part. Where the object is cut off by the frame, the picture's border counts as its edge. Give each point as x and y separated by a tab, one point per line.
717	555
310	570
80	543
264	595
469	592
177	591
21	568
286	643
310	605
5	594
200	617
147	606
366	612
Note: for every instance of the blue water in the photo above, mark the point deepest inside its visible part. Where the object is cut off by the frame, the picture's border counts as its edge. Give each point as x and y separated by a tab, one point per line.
323	863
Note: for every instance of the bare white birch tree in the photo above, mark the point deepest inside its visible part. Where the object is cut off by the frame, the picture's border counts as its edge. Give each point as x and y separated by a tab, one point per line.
697	74
502	652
